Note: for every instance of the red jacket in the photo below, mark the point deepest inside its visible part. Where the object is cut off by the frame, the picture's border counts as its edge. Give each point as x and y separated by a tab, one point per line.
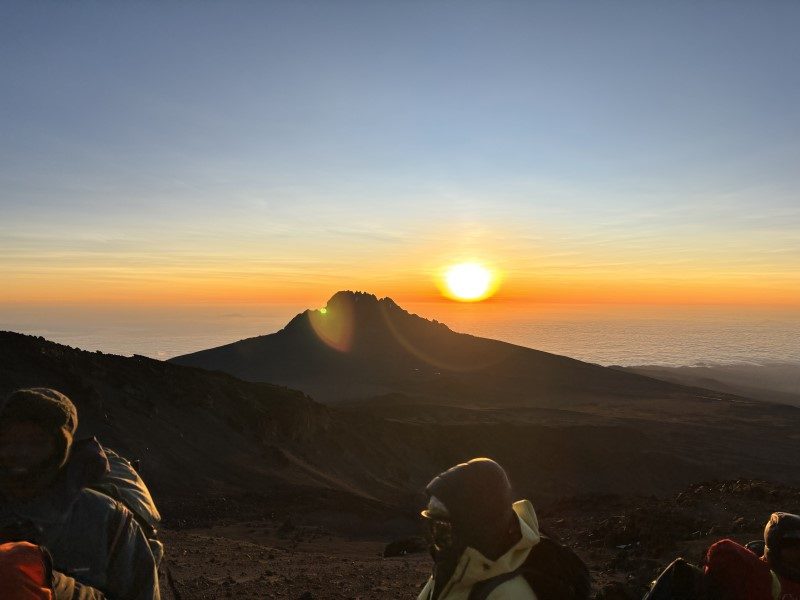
738	574
23	572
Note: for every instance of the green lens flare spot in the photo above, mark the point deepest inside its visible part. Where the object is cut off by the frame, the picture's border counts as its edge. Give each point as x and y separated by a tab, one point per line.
323	311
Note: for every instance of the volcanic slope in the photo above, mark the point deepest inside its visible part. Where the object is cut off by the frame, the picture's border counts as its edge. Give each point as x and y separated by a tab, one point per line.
204	434
359	347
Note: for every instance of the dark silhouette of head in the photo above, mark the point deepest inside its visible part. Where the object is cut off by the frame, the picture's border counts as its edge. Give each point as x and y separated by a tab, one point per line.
37	426
476	499
782	544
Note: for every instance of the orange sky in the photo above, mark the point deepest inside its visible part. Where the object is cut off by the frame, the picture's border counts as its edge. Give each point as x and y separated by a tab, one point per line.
633	153
169	288
569	263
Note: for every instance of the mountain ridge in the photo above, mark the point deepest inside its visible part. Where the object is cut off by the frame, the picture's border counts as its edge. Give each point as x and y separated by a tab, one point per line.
359	346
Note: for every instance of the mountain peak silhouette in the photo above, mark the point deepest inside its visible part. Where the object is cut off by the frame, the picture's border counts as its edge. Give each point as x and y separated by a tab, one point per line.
360	346
365	314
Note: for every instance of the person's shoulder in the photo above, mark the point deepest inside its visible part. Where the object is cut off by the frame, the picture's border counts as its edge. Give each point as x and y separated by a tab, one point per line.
729	560
98	504
729	550
516	588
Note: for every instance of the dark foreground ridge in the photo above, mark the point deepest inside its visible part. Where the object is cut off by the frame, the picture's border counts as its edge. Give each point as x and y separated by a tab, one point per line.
212	434
261	485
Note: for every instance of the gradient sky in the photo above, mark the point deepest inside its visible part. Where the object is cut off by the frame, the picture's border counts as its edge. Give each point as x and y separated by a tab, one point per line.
169	152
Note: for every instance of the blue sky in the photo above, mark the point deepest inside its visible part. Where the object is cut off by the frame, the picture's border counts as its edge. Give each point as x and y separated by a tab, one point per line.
160	140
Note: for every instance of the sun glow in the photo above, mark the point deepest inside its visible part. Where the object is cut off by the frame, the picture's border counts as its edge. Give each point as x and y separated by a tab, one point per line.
469	282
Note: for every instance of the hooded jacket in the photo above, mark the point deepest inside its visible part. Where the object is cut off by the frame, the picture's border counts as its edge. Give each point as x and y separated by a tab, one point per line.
91	537
474	567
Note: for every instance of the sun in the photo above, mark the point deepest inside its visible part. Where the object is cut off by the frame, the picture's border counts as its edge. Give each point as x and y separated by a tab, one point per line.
468	282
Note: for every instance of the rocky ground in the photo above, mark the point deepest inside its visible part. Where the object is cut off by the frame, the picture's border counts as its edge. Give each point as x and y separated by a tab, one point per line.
257	551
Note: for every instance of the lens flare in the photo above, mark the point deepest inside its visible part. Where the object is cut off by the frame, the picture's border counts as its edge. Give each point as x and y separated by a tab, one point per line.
335	323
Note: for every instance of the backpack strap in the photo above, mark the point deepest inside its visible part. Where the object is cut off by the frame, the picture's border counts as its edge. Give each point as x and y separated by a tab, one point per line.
482	589
117	525
777	588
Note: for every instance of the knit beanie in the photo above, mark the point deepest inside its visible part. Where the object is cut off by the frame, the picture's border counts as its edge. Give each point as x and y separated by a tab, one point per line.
49	409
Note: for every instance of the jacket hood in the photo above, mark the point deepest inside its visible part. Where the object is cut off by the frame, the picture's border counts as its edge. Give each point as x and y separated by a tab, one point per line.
473	566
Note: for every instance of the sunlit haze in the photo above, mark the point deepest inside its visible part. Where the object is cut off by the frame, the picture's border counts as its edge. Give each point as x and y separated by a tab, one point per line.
158	156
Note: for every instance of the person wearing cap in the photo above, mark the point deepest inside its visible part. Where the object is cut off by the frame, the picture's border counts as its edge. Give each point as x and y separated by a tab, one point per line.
477	533
98	550
734	572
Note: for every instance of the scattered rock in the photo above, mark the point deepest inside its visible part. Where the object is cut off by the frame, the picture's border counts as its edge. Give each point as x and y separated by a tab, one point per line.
404	546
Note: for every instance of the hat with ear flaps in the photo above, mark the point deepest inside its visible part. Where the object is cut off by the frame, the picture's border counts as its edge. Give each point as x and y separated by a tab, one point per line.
49	409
